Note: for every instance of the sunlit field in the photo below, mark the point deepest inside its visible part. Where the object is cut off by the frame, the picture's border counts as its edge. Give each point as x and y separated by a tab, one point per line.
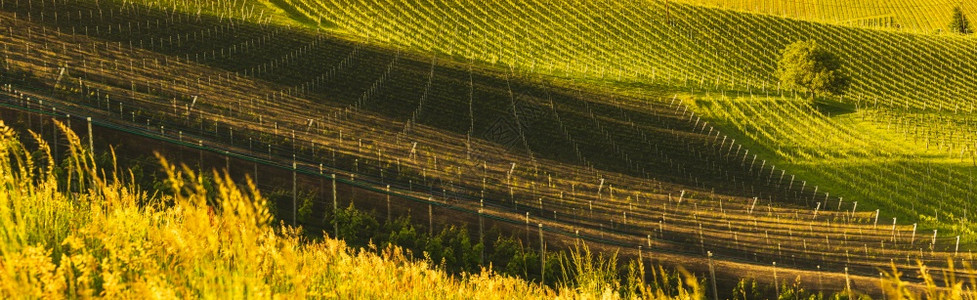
664	149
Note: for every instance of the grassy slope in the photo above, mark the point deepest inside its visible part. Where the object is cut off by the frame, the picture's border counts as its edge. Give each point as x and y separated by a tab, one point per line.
113	240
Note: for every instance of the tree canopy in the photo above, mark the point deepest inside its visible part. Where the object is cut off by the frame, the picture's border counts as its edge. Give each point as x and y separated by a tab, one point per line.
959	23
807	67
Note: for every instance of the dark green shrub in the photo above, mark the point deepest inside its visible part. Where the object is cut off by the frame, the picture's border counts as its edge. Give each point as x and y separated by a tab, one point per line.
747	289
305	208
402	233
355	227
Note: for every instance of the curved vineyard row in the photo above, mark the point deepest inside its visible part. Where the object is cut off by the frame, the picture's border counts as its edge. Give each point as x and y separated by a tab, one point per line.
931	16
637	169
660	41
927	186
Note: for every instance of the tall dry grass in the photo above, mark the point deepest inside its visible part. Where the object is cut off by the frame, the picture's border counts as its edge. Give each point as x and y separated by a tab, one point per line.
951	284
78	231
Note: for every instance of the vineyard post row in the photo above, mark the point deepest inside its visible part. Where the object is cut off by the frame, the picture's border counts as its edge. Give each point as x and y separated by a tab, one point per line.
365	184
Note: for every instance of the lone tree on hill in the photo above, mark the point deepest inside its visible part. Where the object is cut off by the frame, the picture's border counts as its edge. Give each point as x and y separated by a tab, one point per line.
806	67
959	24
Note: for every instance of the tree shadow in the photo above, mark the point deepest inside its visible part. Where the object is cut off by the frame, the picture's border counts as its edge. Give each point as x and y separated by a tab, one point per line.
832	107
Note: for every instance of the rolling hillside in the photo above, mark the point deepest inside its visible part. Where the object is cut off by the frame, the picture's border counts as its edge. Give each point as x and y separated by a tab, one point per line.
654	128
673	47
691	47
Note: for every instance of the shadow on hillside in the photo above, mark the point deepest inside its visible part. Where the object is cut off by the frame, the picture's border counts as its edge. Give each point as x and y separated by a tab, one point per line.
830	107
568	126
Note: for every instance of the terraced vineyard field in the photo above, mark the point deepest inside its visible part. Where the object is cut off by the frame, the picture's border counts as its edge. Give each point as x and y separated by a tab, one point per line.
684	46
910	16
872	154
656	130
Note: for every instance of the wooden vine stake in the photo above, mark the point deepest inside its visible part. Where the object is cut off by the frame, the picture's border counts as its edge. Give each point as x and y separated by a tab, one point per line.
776	283
335	207
542	257
712	275
295	198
